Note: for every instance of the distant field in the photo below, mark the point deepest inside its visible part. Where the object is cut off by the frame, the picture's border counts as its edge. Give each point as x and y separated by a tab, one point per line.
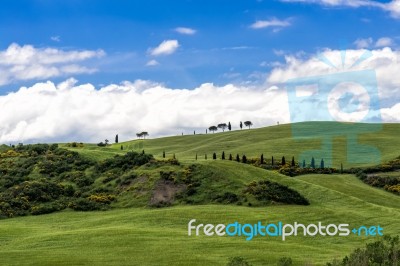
141	236
274	141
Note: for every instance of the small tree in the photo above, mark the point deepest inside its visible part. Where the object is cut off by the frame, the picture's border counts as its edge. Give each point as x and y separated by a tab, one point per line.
173	156
237	158
144	134
122	147
293	162
196	156
248	124
138	135
106	141
230	156
283	160
142	151
262	159
322	166
241	125
205	156
223	155
304	163
229	126
272	161
163	154
312	162
116	138
341	168
244	159
213	129
222	126
214	156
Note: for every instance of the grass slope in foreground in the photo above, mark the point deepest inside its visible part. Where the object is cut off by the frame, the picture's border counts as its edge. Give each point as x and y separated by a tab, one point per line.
140	236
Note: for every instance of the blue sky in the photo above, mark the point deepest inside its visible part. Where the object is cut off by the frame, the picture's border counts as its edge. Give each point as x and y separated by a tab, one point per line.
223	49
179	66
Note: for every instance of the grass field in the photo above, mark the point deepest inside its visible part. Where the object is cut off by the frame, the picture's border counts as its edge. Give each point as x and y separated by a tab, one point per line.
151	236
274	141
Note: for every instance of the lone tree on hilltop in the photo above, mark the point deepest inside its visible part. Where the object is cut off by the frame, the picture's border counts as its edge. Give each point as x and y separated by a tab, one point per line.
213	129
241	125
116	138
248	124
222	126
138	135
229	126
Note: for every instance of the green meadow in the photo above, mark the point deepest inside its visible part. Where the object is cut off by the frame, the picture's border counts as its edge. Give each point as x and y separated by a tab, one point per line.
132	233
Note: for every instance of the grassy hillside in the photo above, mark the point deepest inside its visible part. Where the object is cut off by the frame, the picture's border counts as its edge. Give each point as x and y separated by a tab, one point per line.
133	232
274	141
129	236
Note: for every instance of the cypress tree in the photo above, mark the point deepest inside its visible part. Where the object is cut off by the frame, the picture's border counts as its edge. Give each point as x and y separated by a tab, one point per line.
223	155
229	126
174	156
272	161
122	147
116	138
196	156
293	163
205	156
322	166
244	159
262	159
312	163
283	160
163	154
142	151
214	156
304	163
341	168
230	156
237	158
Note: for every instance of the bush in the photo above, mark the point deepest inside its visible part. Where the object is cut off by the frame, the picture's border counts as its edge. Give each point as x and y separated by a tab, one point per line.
238	261
383	252
285	261
268	191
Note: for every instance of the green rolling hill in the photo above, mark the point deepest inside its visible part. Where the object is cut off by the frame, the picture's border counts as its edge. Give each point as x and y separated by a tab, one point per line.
132	233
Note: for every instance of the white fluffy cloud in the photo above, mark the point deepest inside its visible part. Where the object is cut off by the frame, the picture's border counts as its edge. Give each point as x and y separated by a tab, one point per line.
274	22
384	42
186	31
393	7
165	48
27	62
152	63
67	112
384	61
369	42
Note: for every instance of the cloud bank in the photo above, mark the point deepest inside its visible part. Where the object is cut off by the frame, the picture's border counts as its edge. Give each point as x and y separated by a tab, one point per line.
68	111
